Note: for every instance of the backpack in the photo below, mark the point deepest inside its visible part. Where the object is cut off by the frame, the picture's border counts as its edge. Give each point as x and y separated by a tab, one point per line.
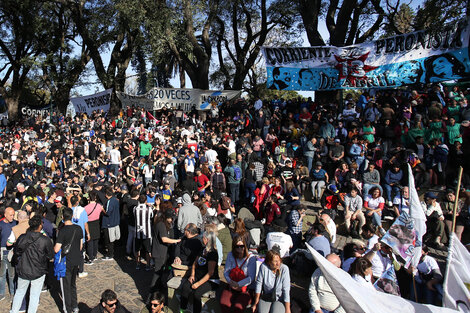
119	123
237	173
237	274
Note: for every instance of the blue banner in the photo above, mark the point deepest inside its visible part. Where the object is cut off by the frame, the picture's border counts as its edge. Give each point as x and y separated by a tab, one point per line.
419	57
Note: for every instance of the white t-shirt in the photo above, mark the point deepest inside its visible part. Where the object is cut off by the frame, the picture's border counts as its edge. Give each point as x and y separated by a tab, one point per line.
372	241
232	147
211	156
115	156
332	230
427	266
404	204
380	264
374	203
284	241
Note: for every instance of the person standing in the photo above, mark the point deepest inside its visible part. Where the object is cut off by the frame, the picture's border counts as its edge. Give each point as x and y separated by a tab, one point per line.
34	250
110	223
234	176
80	218
6	226
70	238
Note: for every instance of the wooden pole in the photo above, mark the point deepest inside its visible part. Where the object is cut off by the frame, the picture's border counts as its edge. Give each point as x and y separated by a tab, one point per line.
457	192
414	288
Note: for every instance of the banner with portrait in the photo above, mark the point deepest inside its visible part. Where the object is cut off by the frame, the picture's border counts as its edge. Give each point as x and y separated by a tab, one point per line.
401	237
178	99
418	57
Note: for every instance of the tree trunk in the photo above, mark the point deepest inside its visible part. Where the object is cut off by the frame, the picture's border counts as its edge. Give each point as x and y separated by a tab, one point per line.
310	12
61	99
13	103
182	77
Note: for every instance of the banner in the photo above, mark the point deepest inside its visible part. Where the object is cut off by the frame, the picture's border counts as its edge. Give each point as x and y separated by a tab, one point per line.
401	237
97	102
27	110
178	99
418	57
457	279
354	298
388	282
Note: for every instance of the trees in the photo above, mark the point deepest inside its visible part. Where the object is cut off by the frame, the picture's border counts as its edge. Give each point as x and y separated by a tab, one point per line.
100	23
21	43
242	27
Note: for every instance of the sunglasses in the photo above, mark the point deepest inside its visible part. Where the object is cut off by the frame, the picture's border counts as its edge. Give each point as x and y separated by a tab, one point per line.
154	305
240	246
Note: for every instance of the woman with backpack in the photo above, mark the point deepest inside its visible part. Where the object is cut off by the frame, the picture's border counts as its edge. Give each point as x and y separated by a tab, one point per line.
240	273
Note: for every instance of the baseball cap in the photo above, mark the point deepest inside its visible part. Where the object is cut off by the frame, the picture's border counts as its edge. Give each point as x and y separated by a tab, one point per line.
337	140
430	195
58	199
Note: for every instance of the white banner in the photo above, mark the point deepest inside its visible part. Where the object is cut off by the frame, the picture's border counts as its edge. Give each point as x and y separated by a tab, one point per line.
355	298
177	98
457	280
88	104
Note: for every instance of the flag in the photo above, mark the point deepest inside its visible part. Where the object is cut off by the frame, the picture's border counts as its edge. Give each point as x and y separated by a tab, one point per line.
151	117
354	298
457	279
419	221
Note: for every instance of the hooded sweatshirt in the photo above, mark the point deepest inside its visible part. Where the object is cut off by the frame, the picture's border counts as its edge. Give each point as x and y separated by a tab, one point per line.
188	213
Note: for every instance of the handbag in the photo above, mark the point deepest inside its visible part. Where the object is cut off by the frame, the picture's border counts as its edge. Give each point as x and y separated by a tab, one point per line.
271	297
237	274
66	247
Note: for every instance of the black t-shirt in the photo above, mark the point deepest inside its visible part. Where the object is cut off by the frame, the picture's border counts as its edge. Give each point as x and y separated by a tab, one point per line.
129	205
202	264
65	236
188	249
160	249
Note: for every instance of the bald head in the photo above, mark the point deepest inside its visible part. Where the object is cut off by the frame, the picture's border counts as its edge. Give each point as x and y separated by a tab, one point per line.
22	216
335	259
9	214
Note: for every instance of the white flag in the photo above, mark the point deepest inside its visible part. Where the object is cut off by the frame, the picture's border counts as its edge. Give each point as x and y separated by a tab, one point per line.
354	298
419	219
457	280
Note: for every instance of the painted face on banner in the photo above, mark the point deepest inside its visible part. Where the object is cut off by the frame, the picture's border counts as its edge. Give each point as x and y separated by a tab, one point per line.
306	81
442	67
284	76
409	72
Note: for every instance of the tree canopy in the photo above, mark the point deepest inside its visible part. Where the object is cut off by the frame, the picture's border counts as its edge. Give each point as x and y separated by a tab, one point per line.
49	47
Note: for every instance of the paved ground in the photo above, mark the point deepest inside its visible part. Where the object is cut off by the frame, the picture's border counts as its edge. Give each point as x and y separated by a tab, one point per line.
131	285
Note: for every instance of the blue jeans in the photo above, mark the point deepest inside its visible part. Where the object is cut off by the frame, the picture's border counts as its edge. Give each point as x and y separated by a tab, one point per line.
4	267
376	219
367	187
389	190
34	293
309	163
250	191
234	192
115	169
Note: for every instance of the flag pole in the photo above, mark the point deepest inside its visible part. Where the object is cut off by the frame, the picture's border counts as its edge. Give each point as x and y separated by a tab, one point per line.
457	192
414	288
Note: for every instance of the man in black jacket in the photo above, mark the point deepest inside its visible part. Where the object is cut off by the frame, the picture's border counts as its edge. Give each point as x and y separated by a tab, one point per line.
109	303
34	251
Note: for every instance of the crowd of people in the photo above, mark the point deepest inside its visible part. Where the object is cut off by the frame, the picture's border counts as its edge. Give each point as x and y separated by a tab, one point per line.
231	187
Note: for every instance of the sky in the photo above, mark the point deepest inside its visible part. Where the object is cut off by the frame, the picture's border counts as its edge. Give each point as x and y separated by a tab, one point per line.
96	87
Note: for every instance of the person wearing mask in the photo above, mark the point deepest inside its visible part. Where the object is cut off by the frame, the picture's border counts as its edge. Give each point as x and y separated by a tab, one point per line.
6	226
70	236
203	271
322	299
33	250
239	272
272	288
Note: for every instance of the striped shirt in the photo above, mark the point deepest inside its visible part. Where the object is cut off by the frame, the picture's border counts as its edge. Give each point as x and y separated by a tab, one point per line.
143	221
